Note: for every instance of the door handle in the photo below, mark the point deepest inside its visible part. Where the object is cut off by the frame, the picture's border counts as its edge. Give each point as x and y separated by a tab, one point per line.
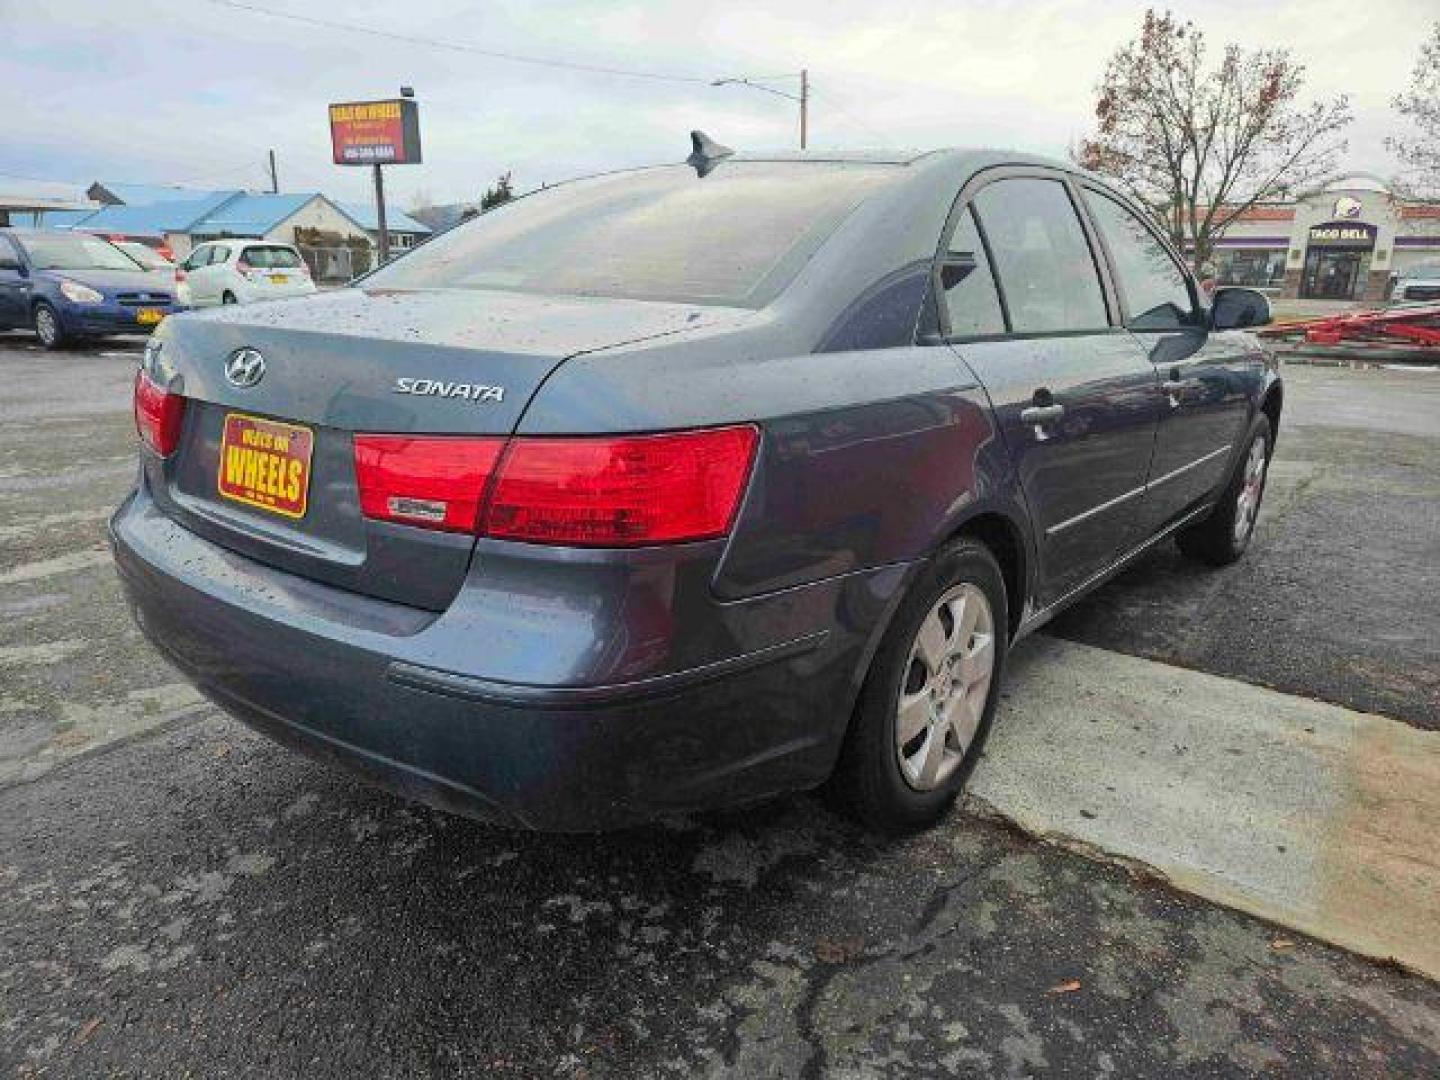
1175	386
1041	414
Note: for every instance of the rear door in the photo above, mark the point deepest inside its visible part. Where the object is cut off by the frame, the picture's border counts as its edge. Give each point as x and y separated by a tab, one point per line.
1202	375
1076	403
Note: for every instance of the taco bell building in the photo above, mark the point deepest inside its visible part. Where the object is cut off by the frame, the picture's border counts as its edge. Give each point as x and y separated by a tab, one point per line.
1343	243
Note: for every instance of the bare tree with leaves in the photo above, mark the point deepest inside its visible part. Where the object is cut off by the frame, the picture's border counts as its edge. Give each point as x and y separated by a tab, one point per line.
1420	105
1199	145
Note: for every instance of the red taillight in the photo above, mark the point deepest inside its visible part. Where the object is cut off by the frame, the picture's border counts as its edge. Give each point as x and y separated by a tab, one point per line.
621	492
158	415
435	481
244	267
179	274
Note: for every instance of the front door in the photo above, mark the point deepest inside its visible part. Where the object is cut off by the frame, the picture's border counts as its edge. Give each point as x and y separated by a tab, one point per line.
1330	275
1076	402
1201	375
14	287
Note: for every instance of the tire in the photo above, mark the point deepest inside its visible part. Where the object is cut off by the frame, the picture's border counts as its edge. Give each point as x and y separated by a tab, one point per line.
883	780
1224	535
48	329
228	297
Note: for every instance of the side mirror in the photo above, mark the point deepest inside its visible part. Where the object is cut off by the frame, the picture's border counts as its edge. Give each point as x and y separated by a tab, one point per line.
1236	309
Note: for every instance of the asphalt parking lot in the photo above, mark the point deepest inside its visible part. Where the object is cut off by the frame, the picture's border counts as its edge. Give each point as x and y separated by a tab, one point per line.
178	897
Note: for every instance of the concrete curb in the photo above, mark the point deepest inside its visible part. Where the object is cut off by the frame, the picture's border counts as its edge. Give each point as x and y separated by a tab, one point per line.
1317	818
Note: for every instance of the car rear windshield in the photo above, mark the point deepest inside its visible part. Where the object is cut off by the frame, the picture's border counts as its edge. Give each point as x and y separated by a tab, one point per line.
271	258
62	252
736	237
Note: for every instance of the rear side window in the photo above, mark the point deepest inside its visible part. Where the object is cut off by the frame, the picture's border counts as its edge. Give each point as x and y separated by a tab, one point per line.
271	258
1042	258
971	301
735	237
1156	294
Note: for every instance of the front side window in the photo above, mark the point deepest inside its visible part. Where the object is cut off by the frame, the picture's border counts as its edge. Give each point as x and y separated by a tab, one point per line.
198	258
735	237
1042	258
971	301
1156	294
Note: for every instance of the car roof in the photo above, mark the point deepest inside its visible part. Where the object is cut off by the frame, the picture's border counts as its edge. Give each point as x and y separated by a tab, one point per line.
874	157
15	231
244	241
982	156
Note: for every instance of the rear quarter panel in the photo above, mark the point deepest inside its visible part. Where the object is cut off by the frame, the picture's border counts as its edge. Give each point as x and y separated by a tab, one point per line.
869	457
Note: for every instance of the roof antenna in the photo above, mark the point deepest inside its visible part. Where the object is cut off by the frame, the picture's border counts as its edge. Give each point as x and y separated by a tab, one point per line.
705	153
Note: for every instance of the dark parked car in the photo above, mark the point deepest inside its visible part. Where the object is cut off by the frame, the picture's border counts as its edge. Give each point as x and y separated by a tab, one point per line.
687	486
73	285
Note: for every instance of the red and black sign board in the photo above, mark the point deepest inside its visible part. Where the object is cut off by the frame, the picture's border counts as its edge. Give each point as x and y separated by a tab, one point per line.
375	132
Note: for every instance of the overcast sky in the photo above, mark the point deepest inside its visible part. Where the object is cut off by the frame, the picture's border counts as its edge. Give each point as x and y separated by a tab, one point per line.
188	91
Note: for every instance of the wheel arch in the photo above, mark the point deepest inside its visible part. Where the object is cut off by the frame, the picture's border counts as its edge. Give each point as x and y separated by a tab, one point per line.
1005	539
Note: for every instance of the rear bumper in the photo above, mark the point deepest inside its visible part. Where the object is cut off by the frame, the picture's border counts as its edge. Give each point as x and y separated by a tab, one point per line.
346	679
252	292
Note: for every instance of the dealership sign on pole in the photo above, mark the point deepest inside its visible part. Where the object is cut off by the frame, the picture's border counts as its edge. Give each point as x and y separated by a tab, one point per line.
377	133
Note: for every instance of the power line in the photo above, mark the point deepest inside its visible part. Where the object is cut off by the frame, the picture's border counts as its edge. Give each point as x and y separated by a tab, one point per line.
854	120
454	46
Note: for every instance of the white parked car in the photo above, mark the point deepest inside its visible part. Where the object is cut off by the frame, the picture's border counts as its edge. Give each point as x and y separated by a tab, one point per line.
241	272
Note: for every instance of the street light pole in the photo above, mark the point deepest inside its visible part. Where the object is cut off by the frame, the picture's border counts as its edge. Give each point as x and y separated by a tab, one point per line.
803	98
380	215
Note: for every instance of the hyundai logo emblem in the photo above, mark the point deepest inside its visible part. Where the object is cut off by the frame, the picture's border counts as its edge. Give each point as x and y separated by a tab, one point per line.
245	368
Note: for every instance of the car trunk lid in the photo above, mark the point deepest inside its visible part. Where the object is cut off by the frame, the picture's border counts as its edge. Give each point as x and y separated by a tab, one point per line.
453	362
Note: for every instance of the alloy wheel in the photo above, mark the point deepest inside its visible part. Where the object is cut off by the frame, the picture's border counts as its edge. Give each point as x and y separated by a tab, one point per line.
45	328
1252	486
945	687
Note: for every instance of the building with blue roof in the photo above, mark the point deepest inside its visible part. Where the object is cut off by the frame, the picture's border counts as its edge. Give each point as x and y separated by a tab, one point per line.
405	231
179	218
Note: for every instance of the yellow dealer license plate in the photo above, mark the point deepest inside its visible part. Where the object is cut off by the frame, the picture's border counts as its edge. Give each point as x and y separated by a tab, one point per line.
149	315
266	463
278	279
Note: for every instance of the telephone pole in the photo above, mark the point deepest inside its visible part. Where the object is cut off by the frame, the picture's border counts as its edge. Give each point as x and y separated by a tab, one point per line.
804	106
275	177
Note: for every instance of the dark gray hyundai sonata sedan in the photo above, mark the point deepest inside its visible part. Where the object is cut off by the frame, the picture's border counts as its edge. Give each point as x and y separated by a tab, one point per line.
689	485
